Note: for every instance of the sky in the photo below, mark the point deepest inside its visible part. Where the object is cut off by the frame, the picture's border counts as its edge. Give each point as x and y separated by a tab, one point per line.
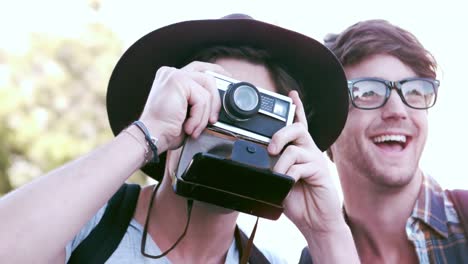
439	25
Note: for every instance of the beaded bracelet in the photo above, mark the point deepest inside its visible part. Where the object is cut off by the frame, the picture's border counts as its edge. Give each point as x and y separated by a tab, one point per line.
151	141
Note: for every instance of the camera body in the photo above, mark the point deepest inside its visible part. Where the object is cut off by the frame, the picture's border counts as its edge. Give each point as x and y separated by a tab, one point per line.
250	112
228	165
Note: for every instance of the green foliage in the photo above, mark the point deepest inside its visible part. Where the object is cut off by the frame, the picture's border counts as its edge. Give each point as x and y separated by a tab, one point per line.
52	105
5	184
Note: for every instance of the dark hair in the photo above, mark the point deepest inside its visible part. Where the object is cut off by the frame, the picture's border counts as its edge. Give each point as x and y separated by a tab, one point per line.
372	37
283	81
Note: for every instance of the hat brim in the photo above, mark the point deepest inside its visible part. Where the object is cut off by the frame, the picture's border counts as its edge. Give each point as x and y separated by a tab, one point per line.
305	59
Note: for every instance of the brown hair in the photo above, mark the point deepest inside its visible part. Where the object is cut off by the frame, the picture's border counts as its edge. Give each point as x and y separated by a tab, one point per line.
284	82
372	37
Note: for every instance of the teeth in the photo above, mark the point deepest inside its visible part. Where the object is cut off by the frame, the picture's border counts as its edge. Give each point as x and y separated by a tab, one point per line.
385	138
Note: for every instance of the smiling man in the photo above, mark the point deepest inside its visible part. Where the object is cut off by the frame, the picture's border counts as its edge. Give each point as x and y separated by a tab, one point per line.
397	213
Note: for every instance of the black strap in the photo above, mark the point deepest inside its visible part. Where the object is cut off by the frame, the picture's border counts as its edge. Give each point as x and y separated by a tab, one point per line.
106	236
460	202
256	256
306	258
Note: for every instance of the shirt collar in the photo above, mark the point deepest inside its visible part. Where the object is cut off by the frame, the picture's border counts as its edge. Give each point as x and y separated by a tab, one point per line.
430	208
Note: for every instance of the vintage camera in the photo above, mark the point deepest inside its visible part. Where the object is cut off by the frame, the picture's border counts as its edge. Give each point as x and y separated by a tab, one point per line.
251	112
228	165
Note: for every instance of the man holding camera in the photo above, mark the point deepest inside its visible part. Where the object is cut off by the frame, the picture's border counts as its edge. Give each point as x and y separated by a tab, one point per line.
46	220
397	213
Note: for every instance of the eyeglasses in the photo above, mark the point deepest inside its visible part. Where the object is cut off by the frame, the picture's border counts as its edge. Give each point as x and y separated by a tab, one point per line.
373	93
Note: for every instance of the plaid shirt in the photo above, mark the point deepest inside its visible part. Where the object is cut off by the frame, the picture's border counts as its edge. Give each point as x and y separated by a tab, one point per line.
434	227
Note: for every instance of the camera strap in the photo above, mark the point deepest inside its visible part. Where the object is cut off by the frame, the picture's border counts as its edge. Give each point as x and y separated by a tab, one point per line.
145	229
247	250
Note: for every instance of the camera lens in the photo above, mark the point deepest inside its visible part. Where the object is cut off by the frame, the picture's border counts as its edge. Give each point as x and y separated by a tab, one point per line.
241	101
245	98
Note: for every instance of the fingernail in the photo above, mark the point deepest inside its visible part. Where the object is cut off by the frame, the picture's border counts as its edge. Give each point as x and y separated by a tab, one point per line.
272	148
214	118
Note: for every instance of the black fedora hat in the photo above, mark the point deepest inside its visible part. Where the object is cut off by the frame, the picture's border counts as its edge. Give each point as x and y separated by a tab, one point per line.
305	59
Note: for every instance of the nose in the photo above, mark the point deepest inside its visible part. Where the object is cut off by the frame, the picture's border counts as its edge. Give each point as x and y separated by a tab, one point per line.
394	108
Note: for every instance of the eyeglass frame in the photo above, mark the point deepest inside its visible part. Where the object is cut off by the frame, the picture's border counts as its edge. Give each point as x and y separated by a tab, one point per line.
393	85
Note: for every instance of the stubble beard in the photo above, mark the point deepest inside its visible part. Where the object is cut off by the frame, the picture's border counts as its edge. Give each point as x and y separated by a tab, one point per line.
389	178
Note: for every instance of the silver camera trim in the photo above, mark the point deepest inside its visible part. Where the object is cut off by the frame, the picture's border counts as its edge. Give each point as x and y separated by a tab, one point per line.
222	83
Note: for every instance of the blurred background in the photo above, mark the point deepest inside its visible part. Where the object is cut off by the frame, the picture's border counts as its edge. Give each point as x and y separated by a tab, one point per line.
56	58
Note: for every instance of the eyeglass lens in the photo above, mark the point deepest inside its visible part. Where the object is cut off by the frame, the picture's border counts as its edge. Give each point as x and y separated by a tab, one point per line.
373	94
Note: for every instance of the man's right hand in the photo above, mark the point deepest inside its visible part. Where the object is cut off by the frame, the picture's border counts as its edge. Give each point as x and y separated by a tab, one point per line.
182	102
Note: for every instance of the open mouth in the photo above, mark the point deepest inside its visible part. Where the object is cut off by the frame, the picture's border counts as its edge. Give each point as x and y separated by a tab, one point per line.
391	142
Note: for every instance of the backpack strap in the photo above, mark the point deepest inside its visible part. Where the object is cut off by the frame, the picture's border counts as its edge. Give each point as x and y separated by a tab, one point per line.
256	256
306	258
460	202
99	245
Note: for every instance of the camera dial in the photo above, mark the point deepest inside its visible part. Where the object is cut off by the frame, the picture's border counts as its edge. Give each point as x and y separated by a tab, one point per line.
241	101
